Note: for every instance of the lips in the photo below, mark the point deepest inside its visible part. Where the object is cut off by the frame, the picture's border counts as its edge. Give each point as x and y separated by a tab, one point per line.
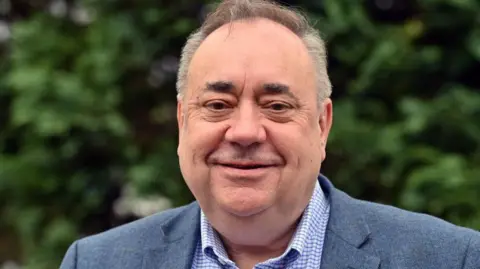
235	170
246	166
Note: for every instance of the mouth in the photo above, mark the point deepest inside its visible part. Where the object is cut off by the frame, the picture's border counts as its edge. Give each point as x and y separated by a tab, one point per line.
246	166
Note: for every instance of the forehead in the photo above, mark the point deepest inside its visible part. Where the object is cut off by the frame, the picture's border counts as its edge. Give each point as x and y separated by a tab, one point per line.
250	53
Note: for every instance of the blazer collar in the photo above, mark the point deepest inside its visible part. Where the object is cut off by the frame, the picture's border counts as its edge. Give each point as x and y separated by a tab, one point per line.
176	247
347	237
346	241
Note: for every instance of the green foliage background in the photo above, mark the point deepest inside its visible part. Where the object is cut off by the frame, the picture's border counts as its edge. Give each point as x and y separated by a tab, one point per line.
87	109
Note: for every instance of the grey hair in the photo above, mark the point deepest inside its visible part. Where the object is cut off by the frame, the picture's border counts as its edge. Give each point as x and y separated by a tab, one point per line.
233	10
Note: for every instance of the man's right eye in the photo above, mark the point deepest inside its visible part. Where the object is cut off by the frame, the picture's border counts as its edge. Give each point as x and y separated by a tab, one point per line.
217	105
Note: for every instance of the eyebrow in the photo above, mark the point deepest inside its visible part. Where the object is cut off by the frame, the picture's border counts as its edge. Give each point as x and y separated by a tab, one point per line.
279	88
268	88
228	87
276	88
220	86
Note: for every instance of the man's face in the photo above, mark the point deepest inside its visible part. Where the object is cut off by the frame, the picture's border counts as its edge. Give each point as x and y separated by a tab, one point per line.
251	132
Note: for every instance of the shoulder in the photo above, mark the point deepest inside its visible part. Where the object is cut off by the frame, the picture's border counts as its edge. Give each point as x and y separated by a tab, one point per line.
393	222
413	237
123	245
399	222
139	230
401	238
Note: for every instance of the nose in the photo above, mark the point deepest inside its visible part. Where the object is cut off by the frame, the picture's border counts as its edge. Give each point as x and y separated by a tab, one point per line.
246	128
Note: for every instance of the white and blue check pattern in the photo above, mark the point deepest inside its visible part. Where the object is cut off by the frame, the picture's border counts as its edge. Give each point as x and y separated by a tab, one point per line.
303	252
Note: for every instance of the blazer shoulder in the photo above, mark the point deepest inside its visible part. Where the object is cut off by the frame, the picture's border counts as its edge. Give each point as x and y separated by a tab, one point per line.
380	216
138	230
123	246
413	237
472	257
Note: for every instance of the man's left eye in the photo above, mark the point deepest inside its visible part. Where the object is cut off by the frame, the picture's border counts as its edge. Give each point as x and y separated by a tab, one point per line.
278	107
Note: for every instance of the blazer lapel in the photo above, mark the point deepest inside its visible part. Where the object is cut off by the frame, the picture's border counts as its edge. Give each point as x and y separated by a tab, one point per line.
339	254
347	236
346	240
176	249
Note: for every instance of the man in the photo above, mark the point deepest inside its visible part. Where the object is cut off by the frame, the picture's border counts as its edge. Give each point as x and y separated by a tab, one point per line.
254	116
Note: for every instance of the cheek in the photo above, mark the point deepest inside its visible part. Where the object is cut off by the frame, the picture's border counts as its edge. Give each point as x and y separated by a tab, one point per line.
205	136
198	139
300	145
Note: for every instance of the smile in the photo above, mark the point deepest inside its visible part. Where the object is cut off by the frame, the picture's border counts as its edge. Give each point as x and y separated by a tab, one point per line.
245	170
246	166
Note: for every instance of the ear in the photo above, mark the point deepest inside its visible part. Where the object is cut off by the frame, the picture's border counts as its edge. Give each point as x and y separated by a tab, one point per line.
180	121
180	116
325	122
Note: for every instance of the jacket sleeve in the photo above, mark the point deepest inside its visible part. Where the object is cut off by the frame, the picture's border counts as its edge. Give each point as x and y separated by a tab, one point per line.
472	256
70	258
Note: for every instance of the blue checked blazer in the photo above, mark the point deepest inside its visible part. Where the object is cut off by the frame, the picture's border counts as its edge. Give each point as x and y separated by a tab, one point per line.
360	235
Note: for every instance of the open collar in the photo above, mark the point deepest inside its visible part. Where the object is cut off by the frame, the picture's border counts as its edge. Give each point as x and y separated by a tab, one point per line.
344	247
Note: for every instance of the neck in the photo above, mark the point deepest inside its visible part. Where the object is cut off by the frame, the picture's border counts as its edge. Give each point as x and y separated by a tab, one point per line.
246	256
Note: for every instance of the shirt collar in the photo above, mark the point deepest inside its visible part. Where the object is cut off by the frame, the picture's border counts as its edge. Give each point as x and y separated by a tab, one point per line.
212	245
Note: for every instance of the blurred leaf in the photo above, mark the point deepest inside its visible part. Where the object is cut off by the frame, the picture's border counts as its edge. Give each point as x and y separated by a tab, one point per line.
473	43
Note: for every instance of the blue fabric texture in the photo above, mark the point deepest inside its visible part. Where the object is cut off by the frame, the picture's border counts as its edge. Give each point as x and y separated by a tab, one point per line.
359	235
303	252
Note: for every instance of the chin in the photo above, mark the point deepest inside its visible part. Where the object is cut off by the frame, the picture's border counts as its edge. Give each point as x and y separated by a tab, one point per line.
244	207
245	212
